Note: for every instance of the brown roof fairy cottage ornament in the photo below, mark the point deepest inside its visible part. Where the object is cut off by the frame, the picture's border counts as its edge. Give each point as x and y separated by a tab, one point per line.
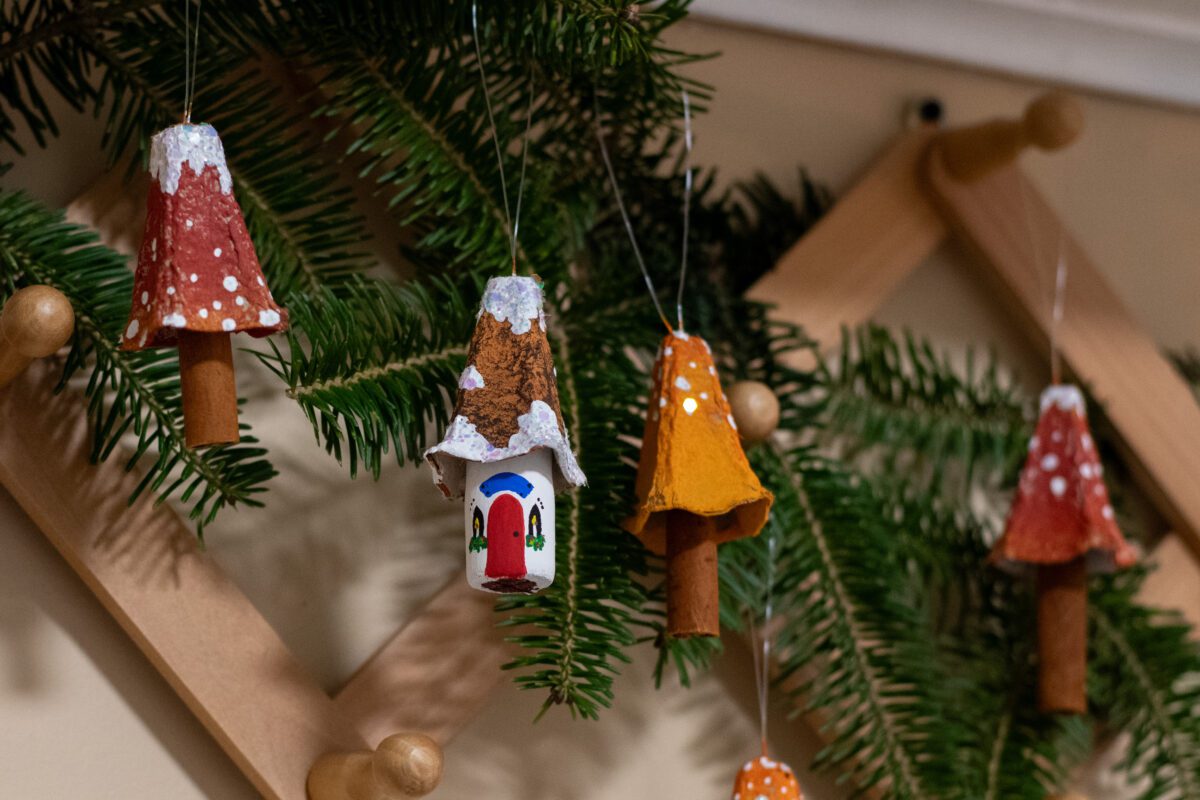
1062	525
695	487
506	450
198	278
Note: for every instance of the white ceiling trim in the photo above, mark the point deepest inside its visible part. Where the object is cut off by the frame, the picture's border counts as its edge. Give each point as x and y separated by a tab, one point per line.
1144	48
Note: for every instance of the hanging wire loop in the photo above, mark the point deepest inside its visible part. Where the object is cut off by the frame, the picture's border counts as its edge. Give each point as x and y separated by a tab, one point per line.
513	223
191	56
687	205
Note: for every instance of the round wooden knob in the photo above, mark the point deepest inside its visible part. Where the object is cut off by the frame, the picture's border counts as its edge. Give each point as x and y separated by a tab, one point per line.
755	410
1050	122
37	321
408	765
1053	121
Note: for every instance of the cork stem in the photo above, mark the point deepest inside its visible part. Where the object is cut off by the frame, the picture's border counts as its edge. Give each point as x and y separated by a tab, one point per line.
210	414
1062	638
692	594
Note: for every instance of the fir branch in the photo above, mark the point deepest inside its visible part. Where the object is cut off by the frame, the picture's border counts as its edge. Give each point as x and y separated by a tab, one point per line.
863	645
1145	675
376	367
127	391
899	402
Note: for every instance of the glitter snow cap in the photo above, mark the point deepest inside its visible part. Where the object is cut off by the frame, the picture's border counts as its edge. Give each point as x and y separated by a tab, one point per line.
508	394
1062	510
197	269
197	146
691	457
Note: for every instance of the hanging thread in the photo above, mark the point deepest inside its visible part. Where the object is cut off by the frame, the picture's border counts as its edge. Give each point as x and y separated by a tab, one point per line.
1055	295
1056	314
760	646
637	252
191	56
687	204
512	223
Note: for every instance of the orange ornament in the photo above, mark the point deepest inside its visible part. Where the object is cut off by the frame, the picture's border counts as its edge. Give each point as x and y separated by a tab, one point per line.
695	487
764	779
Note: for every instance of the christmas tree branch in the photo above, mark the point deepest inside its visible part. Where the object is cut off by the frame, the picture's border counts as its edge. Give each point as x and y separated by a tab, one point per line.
126	391
1148	671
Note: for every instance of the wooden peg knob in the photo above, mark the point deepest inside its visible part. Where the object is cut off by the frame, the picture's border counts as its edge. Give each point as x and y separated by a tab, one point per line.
404	766
1050	122
755	410
35	323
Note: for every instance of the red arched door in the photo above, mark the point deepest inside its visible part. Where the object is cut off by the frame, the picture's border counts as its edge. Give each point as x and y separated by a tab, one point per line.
506	538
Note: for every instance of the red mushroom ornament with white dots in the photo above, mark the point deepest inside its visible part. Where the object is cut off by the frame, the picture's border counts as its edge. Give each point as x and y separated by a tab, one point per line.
1062	525
198	278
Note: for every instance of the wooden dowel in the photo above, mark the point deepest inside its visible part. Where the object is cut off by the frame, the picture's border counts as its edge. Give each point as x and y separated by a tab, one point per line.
1050	122
692	592
210	414
1062	638
35	323
406	765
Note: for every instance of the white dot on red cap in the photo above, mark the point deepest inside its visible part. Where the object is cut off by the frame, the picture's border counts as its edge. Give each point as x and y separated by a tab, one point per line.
260	281
241	301
145	298
193	277
217	305
692	364
217	252
1107	512
1086	471
704	395
1056	436
1058	485
230	283
1087	441
689	405
1049	462
170	290
189	224
1033	443
132	330
203	313
228	324
662	401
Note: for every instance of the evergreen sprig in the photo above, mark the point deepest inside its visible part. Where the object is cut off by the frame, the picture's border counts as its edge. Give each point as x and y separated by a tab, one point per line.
127	392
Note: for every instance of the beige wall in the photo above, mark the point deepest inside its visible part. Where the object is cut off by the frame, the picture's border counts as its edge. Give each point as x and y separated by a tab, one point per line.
337	565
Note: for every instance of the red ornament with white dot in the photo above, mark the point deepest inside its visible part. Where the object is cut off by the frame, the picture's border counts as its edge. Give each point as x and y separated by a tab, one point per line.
198	279
1062	510
1062	526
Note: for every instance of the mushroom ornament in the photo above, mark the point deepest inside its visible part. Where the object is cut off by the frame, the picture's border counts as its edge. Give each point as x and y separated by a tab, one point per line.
506	450
764	779
694	485
198	279
1062	525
